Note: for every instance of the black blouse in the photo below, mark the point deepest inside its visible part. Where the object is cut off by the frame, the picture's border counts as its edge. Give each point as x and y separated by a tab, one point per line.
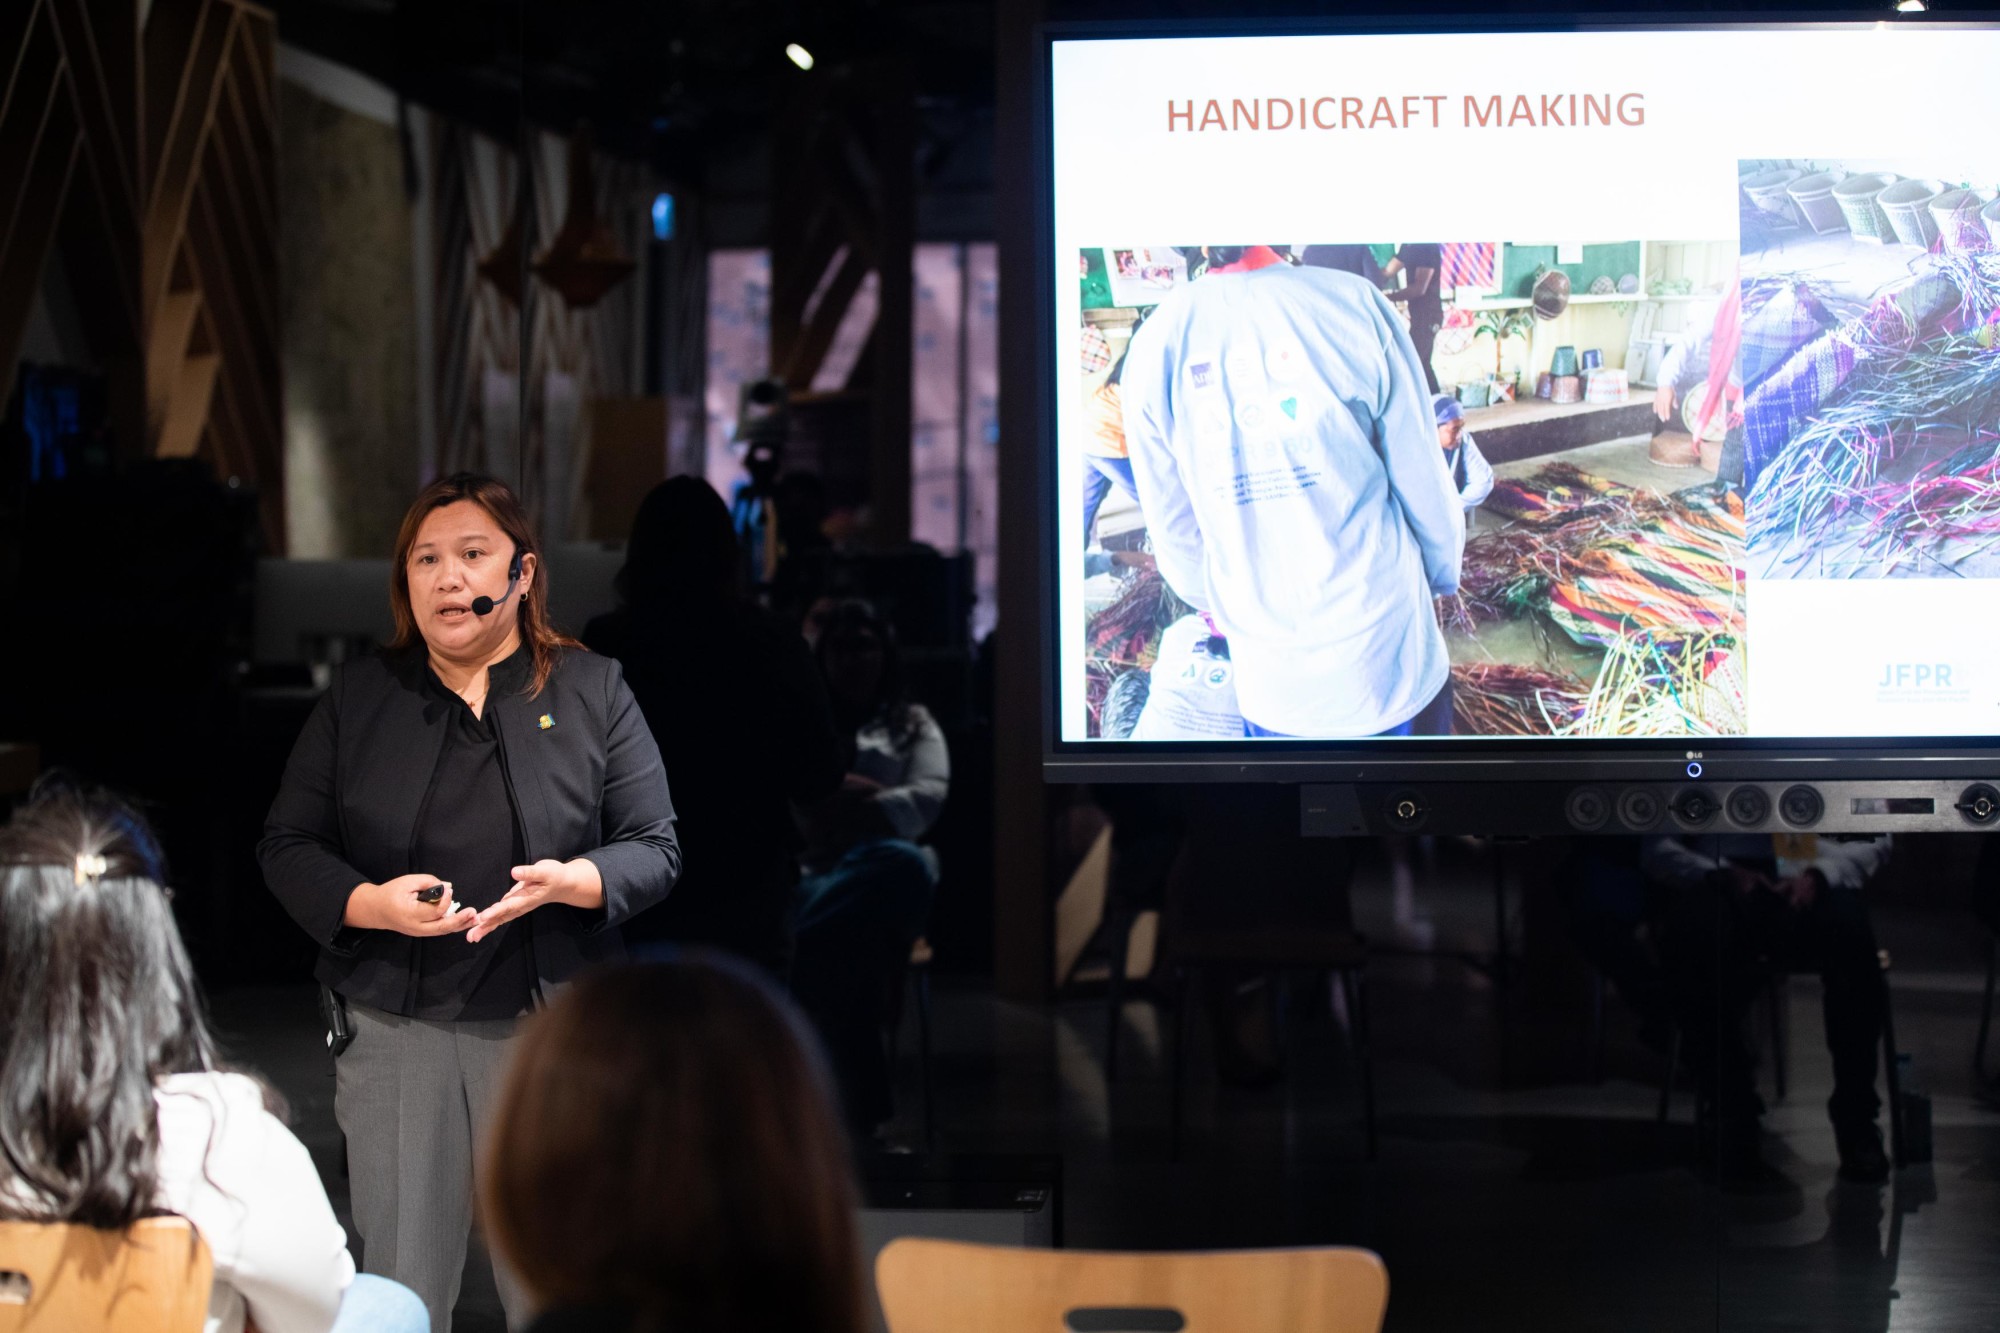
583	779
469	835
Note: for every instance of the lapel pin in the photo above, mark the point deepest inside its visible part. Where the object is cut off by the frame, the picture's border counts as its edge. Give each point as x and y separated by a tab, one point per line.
548	720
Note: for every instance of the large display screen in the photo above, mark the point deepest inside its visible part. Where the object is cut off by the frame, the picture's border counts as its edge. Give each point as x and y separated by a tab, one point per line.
1526	384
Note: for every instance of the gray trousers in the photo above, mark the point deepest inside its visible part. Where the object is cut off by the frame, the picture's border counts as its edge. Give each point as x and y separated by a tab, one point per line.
413	1097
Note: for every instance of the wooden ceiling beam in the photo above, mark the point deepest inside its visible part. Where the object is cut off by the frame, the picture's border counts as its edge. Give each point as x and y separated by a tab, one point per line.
17	27
32	97
188	120
808	353
31	233
103	78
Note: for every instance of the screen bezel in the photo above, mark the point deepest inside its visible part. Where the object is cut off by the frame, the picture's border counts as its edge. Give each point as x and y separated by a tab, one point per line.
1464	758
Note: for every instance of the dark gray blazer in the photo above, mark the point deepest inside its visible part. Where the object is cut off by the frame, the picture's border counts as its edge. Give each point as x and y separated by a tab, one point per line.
589	785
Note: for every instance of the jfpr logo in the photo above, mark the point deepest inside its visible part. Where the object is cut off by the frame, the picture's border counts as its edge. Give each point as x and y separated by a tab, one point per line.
1915	676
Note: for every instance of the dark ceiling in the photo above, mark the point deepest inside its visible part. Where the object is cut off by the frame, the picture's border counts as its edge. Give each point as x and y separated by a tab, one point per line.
693	86
678	82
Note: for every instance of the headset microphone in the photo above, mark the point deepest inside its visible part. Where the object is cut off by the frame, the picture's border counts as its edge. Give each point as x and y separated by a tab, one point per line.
483	606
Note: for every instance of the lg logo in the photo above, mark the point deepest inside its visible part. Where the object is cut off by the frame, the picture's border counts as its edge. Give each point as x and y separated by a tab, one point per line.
1916	675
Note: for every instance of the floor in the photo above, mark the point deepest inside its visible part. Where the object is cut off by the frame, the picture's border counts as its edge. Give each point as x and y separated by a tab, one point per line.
1513	1190
1525	411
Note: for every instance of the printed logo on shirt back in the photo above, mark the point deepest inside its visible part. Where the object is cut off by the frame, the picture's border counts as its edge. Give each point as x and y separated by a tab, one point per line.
1211	424
1285	362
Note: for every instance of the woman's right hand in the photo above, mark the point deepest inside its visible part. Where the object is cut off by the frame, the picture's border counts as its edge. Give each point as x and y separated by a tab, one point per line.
394	905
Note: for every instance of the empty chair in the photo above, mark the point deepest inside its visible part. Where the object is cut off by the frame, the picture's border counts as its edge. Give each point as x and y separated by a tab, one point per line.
934	1286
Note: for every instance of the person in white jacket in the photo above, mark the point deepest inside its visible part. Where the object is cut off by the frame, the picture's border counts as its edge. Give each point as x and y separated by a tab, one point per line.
112	1105
1738	907
1287	464
868	884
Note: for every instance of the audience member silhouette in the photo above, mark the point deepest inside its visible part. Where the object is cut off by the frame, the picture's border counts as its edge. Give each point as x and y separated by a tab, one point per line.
740	714
869	885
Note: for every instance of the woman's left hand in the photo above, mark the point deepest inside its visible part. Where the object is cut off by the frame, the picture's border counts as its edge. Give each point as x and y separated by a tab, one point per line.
574	883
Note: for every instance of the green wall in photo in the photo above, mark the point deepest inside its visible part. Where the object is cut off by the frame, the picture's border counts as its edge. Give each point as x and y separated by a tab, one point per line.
1096	282
1518	264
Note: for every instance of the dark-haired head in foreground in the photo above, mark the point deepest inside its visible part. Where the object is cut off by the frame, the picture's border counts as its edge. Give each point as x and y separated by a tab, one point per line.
97	1002
666	1148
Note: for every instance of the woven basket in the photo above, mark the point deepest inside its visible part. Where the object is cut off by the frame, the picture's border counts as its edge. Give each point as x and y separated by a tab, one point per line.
1691	405
1766	193
1566	389
1857	199
1813	197
1673	448
1605	384
1908	204
1956	213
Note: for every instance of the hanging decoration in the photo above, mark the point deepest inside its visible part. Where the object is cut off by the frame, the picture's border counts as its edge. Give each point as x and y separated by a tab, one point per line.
584	261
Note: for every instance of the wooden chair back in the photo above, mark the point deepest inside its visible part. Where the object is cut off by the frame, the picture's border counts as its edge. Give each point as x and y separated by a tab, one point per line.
934	1286
151	1278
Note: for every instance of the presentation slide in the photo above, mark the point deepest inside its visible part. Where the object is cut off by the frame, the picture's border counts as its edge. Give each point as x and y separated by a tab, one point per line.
1680	417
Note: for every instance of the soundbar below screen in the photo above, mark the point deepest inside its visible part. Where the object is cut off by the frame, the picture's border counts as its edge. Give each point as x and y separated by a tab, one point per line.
1680	418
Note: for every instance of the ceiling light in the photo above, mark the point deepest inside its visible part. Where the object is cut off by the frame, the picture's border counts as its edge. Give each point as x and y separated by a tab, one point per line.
804	58
1911	7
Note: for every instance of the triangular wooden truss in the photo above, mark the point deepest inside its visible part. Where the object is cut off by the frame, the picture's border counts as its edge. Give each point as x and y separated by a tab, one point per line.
146	156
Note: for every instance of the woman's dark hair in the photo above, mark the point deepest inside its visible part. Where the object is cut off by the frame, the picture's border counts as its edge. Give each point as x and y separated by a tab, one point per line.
97	1002
854	618
665	1144
545	643
683	545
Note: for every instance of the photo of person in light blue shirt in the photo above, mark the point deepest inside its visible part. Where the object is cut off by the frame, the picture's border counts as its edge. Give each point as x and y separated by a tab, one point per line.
1287	459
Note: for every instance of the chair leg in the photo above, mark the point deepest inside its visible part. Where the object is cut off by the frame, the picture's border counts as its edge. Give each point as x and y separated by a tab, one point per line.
1673	1068
924	1055
1503	971
1183	1022
1596	1026
1986	1009
1775	998
1114	998
1354	986
1892	1074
